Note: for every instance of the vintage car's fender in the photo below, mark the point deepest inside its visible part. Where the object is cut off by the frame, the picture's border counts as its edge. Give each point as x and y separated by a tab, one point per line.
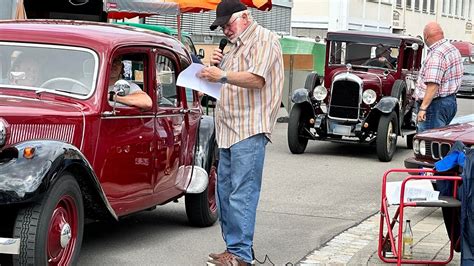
387	104
206	144
23	180
300	95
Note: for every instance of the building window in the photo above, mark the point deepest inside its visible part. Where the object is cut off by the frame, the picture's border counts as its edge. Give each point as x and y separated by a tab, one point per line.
399	3
432	6
450	11
425	6
408	4
469	9
417	5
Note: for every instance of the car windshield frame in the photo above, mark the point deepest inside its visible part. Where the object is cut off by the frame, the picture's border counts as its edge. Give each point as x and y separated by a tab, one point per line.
345	44
5	80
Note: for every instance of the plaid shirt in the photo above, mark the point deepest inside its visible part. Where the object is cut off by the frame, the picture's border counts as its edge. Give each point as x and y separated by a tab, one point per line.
242	112
443	66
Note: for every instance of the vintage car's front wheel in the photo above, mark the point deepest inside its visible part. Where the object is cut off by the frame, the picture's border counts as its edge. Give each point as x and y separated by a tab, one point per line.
51	230
386	141
201	208
296	126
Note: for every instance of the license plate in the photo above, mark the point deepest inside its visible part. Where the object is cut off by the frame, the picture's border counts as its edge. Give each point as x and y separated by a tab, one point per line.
342	130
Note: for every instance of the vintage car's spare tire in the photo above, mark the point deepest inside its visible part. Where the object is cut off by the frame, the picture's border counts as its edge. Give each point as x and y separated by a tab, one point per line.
312	80
386	142
51	230
201	208
296	125
398	91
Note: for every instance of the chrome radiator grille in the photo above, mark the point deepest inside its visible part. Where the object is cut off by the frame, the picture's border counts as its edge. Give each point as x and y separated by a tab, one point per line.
22	132
345	98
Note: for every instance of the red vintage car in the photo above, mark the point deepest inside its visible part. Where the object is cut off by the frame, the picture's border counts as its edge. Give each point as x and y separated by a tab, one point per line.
366	96
69	151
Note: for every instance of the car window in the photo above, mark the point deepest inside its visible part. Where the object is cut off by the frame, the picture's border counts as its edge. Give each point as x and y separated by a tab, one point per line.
69	71
129	67
363	54
166	90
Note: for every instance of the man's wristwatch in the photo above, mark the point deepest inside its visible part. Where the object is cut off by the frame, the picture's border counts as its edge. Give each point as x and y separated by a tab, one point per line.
223	78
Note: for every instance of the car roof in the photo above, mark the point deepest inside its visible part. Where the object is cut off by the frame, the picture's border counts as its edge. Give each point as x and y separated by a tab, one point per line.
376	37
153	27
94	35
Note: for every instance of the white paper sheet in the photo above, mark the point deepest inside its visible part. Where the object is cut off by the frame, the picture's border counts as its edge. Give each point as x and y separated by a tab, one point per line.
188	79
415	190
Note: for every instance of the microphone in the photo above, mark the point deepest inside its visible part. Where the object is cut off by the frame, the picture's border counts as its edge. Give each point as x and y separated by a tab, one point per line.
222	45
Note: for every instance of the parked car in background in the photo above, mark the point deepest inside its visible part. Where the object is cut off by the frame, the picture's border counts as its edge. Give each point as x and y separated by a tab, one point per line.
69	151
467	83
466	49
366	96
433	145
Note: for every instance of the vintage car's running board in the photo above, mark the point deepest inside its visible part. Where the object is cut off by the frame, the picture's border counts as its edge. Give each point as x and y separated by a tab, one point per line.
9	245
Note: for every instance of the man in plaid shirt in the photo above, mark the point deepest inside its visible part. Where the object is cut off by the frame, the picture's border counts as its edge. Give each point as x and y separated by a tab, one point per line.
439	80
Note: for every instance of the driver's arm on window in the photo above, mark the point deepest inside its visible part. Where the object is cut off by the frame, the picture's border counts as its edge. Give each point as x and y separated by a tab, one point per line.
138	99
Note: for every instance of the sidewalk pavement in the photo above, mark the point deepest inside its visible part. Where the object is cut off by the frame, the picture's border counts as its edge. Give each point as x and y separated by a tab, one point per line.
358	245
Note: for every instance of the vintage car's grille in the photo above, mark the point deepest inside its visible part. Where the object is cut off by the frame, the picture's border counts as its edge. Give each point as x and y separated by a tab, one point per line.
22	132
345	100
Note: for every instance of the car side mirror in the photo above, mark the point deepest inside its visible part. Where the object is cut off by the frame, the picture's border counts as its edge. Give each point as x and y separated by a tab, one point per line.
121	87
201	54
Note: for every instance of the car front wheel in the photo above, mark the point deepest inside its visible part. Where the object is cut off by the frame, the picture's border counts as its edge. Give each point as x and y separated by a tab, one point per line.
296	127
201	208
50	231
386	141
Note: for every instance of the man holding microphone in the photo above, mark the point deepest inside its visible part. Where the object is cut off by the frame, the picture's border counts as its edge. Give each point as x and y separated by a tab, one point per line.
252	76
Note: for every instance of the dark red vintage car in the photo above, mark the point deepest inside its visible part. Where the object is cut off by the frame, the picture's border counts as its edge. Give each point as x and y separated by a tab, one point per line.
366	96
69	152
433	145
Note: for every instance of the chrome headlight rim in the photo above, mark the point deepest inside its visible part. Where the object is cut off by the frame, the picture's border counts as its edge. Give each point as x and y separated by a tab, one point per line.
369	96
320	93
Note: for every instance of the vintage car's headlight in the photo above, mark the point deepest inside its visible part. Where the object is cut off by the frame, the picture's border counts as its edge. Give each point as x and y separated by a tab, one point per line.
320	93
416	146
369	97
423	147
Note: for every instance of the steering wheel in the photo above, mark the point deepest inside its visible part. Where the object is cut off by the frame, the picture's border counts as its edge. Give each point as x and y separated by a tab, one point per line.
59	79
376	62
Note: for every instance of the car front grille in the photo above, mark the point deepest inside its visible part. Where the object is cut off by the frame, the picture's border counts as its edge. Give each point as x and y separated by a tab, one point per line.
345	98
437	150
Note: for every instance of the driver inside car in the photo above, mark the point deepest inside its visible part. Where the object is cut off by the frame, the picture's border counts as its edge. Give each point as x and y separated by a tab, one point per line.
25	71
383	58
135	96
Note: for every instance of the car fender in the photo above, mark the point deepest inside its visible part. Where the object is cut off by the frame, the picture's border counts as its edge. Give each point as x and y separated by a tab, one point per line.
387	104
300	95
23	180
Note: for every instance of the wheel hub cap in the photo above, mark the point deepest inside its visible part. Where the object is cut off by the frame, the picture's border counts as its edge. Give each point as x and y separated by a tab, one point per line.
65	235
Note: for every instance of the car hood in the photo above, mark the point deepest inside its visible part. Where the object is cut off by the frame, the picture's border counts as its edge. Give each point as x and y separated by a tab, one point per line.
29	119
369	79
463	132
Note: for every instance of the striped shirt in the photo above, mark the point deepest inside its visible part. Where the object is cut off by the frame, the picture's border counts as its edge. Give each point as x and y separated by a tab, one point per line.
443	66
242	112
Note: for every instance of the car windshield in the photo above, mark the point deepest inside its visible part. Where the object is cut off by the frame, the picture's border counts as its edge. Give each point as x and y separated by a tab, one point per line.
469	69
58	69
368	55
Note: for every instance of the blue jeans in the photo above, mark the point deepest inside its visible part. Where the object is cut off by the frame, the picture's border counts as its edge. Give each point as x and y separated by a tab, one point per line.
239	179
439	113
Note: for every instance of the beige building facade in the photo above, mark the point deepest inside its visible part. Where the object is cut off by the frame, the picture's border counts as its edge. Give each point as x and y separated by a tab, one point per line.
311	18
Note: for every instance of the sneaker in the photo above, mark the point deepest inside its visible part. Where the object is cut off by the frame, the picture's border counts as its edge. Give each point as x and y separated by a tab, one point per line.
216	256
227	259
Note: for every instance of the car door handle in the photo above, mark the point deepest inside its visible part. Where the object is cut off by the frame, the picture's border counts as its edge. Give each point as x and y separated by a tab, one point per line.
184	111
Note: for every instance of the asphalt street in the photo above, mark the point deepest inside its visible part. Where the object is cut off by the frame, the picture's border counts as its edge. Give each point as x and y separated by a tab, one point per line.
306	200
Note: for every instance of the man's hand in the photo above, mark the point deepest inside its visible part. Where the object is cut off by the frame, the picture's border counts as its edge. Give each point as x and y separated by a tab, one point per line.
211	74
421	116
216	57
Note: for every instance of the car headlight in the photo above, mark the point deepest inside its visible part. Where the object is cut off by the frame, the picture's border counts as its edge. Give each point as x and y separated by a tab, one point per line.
369	97
320	93
423	147
416	146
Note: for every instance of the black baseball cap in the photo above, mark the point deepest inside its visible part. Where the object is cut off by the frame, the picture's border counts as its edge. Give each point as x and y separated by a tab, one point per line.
225	10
